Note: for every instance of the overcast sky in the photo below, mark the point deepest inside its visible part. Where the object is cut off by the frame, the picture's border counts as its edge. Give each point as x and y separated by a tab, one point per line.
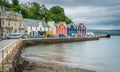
95	14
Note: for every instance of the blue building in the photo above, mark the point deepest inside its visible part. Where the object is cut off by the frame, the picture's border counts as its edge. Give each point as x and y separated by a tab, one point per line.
71	30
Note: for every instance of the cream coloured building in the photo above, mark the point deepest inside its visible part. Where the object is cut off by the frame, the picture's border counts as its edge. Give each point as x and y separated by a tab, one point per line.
52	26
11	22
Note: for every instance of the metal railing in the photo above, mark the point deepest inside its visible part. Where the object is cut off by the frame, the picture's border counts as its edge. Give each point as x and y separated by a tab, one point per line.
7	51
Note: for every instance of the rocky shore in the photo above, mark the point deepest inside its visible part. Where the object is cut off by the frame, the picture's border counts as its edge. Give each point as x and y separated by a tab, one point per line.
32	66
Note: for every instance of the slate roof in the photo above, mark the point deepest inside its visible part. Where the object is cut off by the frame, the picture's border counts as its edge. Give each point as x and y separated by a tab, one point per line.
8	12
31	22
44	24
68	26
56	25
6	8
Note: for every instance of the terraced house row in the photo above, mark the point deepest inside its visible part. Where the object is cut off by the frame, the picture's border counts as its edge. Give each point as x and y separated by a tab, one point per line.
13	22
36	29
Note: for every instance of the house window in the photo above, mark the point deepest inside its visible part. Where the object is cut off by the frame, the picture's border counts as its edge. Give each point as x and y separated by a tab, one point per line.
20	25
40	29
60	31
15	31
15	24
8	23
3	23
36	27
20	31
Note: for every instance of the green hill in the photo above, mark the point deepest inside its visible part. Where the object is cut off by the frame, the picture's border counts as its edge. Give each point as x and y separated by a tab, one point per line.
37	11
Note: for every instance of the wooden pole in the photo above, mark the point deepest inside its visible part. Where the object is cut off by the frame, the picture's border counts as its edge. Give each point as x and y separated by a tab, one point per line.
3	60
7	56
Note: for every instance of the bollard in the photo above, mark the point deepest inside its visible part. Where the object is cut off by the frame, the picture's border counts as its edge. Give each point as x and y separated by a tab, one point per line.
3	60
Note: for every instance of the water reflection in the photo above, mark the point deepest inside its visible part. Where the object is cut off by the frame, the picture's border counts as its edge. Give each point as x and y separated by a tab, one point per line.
54	52
102	55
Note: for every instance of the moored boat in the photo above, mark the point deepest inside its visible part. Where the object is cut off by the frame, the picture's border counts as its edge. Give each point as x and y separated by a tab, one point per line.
108	35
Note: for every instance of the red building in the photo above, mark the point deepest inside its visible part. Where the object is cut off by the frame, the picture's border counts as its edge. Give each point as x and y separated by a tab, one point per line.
61	30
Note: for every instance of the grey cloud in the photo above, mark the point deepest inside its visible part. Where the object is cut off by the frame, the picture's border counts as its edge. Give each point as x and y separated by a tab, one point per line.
90	12
96	15
80	2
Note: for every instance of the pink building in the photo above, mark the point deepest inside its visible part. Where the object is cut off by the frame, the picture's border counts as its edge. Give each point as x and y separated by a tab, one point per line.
81	30
61	30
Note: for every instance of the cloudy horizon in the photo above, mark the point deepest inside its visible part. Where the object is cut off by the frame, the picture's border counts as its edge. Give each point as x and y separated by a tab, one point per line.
95	14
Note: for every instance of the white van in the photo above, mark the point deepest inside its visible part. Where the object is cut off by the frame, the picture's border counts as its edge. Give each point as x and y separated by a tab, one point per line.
14	35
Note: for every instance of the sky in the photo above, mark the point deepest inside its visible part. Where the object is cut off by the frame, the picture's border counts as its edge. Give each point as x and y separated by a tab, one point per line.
95	14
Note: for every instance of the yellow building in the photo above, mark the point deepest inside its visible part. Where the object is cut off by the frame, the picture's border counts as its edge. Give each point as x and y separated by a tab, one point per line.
48	33
11	22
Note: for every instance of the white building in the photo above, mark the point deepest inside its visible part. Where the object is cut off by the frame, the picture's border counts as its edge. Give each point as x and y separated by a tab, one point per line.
31	26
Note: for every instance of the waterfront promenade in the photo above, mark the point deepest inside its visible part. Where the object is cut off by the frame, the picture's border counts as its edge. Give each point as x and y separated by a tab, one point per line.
4	43
5	48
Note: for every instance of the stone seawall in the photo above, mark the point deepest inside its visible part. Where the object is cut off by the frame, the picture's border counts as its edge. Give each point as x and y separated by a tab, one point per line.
29	42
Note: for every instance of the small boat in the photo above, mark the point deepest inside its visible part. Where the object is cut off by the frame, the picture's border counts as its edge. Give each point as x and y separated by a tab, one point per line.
108	35
90	34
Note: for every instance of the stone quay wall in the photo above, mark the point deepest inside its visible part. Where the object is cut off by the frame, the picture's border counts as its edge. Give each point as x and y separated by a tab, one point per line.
29	42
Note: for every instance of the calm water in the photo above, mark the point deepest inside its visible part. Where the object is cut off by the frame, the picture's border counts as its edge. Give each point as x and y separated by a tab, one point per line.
101	55
114	32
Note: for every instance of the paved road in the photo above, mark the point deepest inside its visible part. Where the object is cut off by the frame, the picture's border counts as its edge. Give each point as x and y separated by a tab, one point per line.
4	43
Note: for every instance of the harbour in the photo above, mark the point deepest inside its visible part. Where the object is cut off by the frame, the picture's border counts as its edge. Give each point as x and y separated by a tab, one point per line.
10	55
59	36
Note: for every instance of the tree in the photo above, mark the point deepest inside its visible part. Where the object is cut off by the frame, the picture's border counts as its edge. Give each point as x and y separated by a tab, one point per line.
59	14
25	13
50	17
16	8
36	6
57	10
15	2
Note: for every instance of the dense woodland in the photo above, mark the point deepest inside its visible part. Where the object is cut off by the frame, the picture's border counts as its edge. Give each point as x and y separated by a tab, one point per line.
36	11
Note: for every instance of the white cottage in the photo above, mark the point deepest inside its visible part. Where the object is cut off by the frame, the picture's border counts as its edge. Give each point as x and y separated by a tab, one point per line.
44	29
31	27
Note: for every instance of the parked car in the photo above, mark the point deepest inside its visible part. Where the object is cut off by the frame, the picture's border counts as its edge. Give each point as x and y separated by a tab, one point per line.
14	36
62	36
